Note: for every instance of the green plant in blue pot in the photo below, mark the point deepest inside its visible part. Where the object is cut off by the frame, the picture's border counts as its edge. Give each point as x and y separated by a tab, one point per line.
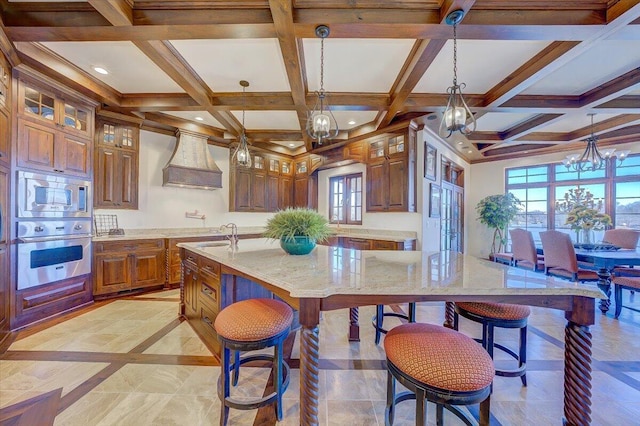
298	229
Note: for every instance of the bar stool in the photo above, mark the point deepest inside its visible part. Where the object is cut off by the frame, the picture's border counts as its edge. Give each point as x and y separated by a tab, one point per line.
439	365
378	318
502	315
251	325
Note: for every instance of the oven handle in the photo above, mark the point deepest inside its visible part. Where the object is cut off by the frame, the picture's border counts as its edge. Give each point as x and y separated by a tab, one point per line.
52	238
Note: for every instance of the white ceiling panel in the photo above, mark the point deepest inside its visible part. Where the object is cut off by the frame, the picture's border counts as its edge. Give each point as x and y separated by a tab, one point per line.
223	63
269	120
355	65
481	64
358	117
571	122
499	122
130	71
191	116
603	62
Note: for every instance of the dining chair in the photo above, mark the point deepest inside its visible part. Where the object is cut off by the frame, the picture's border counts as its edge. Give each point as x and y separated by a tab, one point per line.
624	283
623	238
524	250
560	257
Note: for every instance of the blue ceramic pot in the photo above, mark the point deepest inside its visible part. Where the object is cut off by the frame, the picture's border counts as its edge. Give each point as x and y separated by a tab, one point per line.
298	245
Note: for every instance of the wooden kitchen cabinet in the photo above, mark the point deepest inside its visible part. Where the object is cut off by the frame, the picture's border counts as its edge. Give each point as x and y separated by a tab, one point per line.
391	173
5	281
116	165
5	139
356	243
263	187
128	265
48	149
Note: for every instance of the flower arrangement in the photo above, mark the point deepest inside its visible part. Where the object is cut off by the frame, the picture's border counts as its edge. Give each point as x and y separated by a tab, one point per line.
583	211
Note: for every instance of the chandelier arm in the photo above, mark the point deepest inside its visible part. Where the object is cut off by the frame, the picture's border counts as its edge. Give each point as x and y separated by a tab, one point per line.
466	130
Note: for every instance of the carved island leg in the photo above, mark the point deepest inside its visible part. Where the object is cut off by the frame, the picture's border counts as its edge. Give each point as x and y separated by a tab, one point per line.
309	361
354	327
604	284
449	309
577	363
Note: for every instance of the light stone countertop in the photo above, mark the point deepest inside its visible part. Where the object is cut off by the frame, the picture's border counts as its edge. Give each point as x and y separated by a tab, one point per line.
333	270
144	234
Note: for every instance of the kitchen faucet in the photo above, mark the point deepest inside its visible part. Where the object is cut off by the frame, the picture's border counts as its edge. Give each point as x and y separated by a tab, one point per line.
233	238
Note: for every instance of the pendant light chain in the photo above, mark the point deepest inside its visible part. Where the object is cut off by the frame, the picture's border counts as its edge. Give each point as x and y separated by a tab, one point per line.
455	57
322	65
243	106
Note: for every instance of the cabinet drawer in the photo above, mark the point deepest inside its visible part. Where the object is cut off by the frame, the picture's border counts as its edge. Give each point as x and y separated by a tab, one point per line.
205	326
127	246
191	259
209	296
385	245
210	267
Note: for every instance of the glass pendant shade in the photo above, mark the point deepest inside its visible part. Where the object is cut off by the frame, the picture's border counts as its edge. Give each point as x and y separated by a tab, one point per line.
321	124
457	116
242	156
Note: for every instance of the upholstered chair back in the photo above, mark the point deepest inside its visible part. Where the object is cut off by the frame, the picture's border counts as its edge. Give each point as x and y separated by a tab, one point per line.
623	238
558	251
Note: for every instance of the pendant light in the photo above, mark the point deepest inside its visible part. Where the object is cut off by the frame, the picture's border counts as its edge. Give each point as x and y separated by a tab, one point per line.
457	115
321	124
592	158
242	156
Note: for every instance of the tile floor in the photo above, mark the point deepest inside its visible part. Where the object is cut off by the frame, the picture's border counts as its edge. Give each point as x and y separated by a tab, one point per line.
132	362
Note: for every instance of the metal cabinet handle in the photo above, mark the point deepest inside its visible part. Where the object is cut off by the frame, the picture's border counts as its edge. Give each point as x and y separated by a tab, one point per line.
207	320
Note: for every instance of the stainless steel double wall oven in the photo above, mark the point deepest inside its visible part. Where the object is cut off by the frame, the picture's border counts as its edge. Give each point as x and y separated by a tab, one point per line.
54	228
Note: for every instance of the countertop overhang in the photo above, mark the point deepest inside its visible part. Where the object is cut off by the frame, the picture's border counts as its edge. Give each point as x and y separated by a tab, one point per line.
331	271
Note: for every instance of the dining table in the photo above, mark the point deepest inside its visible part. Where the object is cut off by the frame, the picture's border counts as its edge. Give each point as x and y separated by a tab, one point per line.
604	260
333	278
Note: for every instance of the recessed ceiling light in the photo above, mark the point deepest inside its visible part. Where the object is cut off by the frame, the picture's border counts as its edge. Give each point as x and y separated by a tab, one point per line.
198	118
100	70
460	143
352	122
470	151
292	145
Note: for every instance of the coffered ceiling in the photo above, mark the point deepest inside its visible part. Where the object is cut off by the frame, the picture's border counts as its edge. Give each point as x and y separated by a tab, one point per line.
533	70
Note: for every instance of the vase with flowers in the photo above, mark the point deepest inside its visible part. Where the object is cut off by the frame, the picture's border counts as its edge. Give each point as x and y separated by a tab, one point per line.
583	214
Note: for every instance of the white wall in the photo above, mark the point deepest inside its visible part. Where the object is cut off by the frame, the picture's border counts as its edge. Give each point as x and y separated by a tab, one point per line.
489	179
165	207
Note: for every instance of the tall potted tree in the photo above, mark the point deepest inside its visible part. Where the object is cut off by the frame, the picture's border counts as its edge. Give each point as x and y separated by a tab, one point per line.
496	211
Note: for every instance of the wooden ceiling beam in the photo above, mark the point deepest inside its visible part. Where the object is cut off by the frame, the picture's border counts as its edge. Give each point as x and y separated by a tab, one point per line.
118	12
292	54
186	125
6	46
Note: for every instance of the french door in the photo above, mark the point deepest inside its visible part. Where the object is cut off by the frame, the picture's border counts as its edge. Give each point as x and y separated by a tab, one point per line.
452	218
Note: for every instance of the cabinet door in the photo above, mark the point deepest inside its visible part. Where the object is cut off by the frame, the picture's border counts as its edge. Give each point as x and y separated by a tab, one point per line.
5	141
36	146
386	245
4	207
285	193
301	191
76	159
259	192
128	185
4	293
397	185
190	291
107	178
377	186
272	193
242	189
149	268
112	273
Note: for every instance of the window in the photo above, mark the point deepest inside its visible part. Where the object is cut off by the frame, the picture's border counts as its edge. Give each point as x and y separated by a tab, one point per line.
539	187
345	199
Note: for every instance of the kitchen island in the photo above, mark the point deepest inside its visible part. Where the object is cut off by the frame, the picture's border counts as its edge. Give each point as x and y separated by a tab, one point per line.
334	278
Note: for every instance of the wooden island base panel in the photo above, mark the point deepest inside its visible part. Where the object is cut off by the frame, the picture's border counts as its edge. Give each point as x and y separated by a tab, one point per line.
333	278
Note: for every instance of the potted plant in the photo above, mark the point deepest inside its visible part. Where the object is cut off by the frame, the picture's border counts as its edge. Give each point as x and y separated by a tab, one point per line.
298	229
496	211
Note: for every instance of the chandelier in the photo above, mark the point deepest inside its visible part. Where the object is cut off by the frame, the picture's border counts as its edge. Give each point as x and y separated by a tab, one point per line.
592	158
321	124
241	155
457	115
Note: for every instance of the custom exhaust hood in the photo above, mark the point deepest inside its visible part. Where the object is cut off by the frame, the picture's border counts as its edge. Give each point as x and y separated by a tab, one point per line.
191	165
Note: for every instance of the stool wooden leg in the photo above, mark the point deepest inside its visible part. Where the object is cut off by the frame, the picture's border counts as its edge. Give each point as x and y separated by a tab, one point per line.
421	407
224	381
439	414
456	320
236	367
379	319
277	367
522	353
488	338
412	312
391	399
485	411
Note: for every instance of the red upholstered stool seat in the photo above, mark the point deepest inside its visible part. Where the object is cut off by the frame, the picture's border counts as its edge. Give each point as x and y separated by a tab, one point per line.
503	315
440	365
250	325
628	283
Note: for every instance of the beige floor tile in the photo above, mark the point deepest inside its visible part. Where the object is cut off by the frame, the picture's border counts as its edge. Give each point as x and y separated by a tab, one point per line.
185	410
90	409
135	409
